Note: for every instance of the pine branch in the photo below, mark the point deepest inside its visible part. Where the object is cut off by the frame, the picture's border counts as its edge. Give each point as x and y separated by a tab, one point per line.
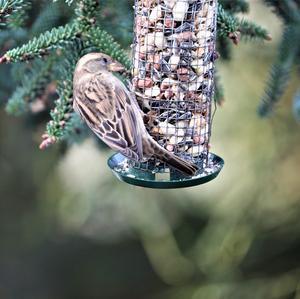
13	12
42	45
52	15
86	11
235	6
33	86
69	2
62	115
101	41
279	77
285	9
112	18
57	37
19	70
18	19
280	72
228	25
252	31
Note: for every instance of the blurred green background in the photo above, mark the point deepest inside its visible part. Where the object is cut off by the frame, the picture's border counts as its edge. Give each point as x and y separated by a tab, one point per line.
69	229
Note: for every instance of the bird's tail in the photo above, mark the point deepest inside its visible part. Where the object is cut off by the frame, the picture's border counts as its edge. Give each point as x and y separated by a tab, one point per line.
172	160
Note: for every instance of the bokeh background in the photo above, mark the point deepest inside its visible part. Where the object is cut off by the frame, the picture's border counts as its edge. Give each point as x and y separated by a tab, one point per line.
69	229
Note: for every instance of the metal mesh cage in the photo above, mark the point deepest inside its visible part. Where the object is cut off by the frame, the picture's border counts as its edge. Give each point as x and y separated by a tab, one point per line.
173	76
174	51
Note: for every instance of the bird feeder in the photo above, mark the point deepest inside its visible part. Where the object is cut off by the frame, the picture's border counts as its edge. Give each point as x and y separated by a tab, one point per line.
173	81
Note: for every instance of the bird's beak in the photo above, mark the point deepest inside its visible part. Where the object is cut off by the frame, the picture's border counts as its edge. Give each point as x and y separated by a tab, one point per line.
116	67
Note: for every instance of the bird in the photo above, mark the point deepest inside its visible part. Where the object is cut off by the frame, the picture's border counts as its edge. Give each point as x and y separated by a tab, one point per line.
111	111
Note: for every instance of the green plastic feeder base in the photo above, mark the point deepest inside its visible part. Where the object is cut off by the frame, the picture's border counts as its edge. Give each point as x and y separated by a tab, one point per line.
139	177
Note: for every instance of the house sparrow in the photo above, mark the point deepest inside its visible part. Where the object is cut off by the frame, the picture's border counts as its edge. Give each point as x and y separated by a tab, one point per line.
113	114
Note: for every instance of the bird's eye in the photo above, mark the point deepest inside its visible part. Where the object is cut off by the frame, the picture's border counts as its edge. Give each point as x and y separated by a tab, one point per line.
104	60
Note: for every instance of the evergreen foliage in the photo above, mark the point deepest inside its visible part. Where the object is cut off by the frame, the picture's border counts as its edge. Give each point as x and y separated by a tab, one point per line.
33	86
60	32
13	13
288	54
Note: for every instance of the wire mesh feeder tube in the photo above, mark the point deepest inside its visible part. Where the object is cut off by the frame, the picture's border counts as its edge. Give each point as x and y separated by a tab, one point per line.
173	80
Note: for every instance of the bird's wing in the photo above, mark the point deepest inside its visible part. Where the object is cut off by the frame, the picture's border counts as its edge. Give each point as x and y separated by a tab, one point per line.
109	111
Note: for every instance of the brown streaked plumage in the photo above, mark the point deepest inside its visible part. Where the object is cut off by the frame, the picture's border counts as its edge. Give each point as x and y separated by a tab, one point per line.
113	114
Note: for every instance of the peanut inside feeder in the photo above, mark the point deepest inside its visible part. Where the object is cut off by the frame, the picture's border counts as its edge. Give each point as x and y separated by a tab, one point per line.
173	70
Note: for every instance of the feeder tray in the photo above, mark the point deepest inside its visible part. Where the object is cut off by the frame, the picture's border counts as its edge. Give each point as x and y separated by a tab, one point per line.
163	180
